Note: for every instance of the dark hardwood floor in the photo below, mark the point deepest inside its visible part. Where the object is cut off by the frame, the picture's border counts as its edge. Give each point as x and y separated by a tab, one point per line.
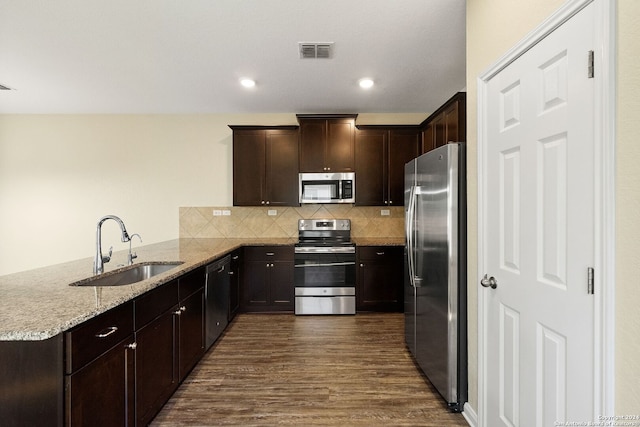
281	369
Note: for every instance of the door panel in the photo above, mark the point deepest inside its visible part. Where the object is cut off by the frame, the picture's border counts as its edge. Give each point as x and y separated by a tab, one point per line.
539	226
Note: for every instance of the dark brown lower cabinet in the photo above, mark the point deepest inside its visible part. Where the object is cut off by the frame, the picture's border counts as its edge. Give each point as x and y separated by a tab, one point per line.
234	284
102	392
379	278
100	370
156	366
191	331
267	279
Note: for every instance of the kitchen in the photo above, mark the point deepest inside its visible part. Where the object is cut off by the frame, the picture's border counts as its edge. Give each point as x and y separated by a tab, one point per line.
152	165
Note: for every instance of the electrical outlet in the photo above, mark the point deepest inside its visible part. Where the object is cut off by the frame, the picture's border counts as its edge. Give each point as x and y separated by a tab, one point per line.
217	212
385	212
226	212
272	212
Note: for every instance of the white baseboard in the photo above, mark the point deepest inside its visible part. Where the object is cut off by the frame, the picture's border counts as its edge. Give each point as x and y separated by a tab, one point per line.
470	415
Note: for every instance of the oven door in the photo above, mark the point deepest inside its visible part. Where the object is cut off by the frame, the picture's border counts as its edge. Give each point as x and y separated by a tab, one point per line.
325	267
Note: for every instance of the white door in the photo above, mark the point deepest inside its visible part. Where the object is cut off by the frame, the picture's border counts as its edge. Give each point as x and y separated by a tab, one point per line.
538	231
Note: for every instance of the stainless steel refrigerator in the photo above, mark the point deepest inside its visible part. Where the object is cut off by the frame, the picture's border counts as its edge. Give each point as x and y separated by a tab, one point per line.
435	273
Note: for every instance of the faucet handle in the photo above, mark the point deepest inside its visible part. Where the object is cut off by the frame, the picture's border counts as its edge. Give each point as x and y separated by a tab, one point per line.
107	258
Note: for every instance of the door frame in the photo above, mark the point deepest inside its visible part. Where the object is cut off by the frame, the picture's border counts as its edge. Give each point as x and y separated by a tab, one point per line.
604	176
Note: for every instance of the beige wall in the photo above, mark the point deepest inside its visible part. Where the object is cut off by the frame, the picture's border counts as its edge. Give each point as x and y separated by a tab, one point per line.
493	27
60	173
628	210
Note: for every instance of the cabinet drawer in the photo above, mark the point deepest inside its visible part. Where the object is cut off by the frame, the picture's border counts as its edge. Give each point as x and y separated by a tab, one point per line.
155	302
191	282
379	253
276	253
94	337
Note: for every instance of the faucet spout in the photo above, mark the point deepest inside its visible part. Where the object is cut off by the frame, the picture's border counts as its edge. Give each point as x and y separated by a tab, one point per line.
99	260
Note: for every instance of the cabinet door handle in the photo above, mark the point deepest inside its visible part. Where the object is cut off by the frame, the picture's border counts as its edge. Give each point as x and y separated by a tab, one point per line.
106	332
133	345
231	273
221	269
183	309
235	257
361	265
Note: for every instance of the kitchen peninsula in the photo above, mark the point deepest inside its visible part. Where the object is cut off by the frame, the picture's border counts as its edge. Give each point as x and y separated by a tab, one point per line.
41	316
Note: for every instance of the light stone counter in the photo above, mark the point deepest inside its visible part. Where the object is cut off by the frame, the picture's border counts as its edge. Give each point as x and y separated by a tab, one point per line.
378	241
39	304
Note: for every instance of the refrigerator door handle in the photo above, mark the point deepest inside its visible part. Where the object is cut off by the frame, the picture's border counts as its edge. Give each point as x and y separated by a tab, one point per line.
410	232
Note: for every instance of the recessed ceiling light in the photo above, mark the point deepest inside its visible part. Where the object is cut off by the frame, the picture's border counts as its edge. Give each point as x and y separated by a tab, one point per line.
248	82
366	83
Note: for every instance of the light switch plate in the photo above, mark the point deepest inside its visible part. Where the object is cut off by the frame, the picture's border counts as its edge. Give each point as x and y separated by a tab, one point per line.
385	212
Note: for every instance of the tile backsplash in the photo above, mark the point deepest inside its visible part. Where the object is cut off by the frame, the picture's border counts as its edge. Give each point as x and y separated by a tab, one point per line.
248	222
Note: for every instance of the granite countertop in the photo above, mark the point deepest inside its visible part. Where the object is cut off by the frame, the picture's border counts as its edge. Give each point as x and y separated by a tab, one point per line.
39	304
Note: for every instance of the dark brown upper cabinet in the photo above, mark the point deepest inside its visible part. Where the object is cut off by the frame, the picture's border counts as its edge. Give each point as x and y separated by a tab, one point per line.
381	153
447	124
265	165
327	142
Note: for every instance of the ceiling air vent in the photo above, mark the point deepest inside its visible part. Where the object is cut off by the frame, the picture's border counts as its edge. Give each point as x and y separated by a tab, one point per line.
3	87
315	50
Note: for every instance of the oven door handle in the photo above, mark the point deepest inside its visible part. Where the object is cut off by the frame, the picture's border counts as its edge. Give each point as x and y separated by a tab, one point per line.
329	264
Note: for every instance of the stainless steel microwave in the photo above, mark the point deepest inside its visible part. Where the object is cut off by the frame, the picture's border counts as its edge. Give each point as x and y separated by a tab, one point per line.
327	187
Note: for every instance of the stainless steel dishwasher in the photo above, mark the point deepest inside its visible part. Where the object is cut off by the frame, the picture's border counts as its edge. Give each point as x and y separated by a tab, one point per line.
217	299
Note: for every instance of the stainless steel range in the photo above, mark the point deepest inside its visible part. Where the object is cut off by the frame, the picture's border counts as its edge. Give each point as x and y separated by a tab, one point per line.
325	267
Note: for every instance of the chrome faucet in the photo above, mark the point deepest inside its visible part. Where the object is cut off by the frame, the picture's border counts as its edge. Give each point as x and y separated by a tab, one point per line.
98	262
133	255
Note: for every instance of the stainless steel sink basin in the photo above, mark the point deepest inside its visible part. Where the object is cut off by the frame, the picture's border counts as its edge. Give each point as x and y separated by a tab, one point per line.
128	275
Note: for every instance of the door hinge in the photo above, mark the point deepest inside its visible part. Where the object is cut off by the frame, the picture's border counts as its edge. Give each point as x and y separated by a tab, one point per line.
590	280
590	67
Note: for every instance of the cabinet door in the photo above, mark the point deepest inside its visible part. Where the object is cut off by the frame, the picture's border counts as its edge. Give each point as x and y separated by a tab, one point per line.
428	139
248	167
255	293
281	287
339	151
440	131
191	332
403	147
371	161
156	365
313	134
281	168
102	392
380	278
234	285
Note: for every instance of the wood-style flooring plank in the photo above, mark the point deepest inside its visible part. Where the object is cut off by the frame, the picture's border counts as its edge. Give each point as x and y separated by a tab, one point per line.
281	369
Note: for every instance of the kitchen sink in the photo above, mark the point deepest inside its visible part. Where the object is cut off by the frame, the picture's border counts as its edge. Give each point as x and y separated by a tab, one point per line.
129	275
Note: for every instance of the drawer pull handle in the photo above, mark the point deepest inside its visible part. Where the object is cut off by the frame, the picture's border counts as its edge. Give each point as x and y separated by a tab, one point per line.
379	253
270	253
221	269
106	332
235	257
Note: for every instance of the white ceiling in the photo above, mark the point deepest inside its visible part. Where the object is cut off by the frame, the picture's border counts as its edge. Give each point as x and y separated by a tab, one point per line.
187	56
